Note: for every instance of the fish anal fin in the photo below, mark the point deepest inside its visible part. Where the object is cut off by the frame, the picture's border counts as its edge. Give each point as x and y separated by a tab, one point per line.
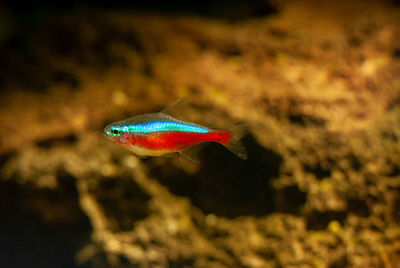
169	155
192	153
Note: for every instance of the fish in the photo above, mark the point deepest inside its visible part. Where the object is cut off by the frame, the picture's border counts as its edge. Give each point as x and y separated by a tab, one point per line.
161	134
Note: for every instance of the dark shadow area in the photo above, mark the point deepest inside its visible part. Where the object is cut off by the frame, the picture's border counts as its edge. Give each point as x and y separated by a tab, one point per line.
181	263
306	120
31	29
33	238
355	162
233	10
342	262
123	201
66	78
226	185
318	221
396	207
396	53
5	157
358	207
318	170
57	141
290	200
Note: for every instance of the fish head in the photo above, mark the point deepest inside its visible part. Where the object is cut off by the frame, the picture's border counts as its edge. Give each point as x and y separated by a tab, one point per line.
115	133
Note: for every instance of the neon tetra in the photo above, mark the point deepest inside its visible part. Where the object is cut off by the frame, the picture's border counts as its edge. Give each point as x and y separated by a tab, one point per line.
157	134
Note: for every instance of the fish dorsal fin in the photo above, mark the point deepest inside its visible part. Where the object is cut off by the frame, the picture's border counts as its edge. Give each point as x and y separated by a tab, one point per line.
170	108
180	109
192	153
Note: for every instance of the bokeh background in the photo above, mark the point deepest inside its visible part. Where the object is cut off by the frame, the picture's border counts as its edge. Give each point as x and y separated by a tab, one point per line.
317	84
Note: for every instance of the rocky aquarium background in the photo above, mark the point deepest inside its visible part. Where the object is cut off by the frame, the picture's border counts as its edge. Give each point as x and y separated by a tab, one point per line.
317	83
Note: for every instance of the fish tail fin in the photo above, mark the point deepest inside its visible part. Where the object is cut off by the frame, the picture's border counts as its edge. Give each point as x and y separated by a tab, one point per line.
234	144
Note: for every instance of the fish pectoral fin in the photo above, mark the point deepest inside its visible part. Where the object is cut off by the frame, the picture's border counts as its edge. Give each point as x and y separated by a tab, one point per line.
192	153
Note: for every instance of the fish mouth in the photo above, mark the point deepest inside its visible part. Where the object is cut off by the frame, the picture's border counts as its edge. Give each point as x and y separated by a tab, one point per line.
107	133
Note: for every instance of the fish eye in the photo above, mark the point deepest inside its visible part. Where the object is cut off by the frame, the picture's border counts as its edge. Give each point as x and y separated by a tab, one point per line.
115	132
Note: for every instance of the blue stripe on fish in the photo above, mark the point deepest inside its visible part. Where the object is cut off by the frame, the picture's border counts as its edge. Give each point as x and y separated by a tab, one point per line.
157	126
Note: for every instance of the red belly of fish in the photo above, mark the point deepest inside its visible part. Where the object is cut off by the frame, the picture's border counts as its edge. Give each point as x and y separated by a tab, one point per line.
177	140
